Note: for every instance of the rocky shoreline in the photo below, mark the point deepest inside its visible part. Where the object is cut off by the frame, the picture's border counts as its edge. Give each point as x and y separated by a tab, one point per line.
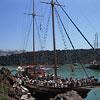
7	79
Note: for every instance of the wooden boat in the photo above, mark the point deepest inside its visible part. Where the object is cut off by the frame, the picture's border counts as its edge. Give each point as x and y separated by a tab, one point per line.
46	92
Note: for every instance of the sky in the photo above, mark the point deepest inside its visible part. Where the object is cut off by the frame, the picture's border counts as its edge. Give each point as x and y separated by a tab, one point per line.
16	27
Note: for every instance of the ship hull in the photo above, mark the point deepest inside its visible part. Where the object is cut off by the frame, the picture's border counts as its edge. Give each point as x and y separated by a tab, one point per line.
44	93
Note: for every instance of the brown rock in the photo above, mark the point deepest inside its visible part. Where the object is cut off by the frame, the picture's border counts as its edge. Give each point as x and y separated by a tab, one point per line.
11	79
19	92
11	98
71	95
11	92
8	80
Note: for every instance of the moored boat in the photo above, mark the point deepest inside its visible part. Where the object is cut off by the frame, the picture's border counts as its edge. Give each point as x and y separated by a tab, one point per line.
44	93
94	65
44	88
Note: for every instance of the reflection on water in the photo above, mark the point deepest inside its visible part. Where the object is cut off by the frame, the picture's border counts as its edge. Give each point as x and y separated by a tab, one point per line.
65	71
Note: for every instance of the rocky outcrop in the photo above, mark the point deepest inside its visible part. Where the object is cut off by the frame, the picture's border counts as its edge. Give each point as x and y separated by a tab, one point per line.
71	95
7	79
7	76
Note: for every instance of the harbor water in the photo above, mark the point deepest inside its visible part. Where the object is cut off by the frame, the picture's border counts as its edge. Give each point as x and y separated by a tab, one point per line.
65	71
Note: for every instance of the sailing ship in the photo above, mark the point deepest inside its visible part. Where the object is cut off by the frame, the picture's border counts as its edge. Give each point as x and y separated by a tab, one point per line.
44	92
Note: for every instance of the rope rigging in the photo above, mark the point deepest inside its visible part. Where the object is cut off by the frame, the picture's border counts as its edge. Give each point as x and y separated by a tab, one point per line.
67	53
42	19
25	44
38	34
46	29
43	42
26	31
62	34
29	11
71	42
78	29
28	35
44	54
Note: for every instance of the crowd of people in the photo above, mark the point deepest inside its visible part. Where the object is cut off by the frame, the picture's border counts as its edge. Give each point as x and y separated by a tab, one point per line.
50	81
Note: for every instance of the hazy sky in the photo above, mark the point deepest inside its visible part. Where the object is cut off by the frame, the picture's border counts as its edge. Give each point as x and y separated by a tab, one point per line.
14	24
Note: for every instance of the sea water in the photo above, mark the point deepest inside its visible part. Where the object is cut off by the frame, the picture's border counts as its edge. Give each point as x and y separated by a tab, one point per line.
65	71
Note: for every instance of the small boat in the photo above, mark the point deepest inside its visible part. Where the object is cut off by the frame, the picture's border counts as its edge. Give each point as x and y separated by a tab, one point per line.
75	64
94	65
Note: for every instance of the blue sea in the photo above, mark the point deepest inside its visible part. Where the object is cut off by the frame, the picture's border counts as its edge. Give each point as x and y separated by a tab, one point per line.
65	71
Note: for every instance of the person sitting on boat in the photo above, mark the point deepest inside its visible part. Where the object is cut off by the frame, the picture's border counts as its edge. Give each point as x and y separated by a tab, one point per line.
20	82
51	77
78	83
60	83
83	81
63	80
66	78
43	74
95	79
72	83
17	82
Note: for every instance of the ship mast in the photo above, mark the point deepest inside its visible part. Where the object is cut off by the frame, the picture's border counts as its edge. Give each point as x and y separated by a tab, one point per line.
33	14
53	29
54	42
33	40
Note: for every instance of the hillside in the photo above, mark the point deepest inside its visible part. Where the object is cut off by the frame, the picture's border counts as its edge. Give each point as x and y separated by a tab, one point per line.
46	57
